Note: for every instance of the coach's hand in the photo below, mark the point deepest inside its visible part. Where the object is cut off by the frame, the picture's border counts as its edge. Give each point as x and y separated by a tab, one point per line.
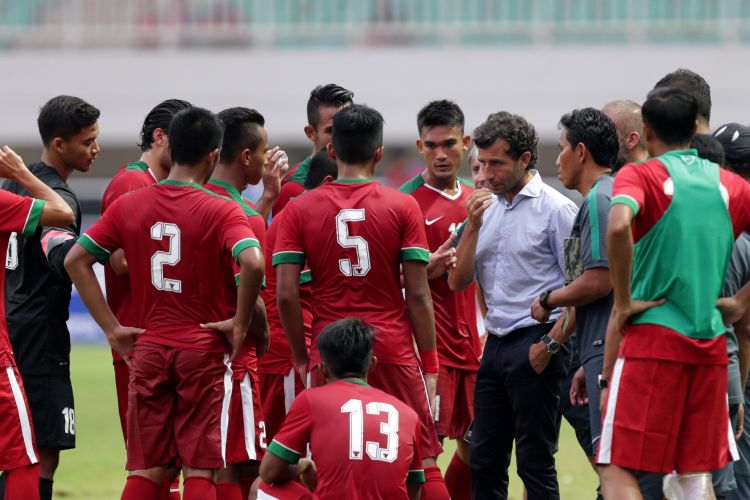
538	312
443	259
731	310
477	203
431	381
539	357
122	340
234	334
579	394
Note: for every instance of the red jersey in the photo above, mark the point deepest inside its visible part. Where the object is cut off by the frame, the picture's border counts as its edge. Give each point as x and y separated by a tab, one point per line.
278	360
647	189
374	460
292	185
177	238
18	214
131	177
247	357
354	235
455	312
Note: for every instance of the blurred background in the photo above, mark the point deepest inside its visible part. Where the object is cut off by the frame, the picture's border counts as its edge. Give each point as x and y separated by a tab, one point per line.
537	58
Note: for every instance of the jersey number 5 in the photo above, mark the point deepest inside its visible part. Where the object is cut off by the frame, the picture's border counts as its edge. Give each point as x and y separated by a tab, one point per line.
357	242
162	258
356	430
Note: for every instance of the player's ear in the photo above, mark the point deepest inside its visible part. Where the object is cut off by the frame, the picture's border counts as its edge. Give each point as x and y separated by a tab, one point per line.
213	156
419	145
330	151
159	137
373	363
245	156
324	371
583	152
310	132
327	180
378	154
58	144
466	141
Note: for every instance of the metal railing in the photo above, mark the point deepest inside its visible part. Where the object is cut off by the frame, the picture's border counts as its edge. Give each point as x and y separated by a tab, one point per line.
302	23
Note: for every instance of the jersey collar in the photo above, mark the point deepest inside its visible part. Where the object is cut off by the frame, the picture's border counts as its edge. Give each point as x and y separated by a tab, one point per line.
353	181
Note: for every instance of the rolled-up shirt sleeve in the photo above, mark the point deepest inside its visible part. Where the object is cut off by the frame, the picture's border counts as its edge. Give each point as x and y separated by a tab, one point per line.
561	225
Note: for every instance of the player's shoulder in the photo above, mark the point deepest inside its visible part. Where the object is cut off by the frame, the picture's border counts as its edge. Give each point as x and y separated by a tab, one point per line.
412	185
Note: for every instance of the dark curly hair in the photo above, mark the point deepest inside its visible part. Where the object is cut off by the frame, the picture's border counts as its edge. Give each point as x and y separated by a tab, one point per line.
513	129
596	131
160	117
693	84
326	95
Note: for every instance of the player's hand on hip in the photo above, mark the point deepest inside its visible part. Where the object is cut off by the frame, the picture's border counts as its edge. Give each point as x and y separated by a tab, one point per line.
302	371
603	399
538	312
122	340
431	382
308	473
262	344
731	310
740	428
234	334
477	203
539	357
579	395
10	163
620	315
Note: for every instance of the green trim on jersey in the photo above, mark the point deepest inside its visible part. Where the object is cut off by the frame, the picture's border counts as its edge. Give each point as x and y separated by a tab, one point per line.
300	175
415	476
353	181
172	182
138	166
412	185
594	222
414	253
33	218
355	381
101	254
236	196
243	244
622	199
466	183
288	258
305	277
284	453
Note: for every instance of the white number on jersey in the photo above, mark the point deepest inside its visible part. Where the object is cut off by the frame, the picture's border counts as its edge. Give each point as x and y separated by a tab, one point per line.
389	428
70	420
161	258
11	256
357	242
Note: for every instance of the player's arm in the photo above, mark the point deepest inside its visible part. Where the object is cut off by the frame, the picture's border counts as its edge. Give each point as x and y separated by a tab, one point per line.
56	211
252	270
275	470
422	316
79	264
259	327
290	312
462	274
272	174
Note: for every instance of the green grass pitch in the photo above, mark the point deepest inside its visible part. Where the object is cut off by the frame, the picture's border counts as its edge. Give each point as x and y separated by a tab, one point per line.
95	469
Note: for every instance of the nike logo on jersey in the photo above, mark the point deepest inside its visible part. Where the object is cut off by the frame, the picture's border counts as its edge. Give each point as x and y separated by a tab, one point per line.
431	222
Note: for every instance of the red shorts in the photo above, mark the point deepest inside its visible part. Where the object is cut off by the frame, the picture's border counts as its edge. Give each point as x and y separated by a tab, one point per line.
277	392
246	435
663	416
16	430
291	490
455	401
122	376
178	407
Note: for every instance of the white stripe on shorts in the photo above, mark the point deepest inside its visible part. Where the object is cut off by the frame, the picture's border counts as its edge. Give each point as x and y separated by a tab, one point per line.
605	442
225	407
730	436
426	394
248	416
262	495
23	415
289	388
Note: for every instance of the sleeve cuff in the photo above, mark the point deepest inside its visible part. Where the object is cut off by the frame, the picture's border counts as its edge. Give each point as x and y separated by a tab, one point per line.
284	453
625	200
305	277
288	258
101	254
415	476
415	253
242	245
35	215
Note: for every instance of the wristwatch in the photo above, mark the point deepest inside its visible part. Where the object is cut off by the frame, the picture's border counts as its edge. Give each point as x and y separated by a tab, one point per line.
603	383
543	301
553	346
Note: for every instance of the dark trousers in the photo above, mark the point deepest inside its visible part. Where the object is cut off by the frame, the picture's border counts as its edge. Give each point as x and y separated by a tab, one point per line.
512	402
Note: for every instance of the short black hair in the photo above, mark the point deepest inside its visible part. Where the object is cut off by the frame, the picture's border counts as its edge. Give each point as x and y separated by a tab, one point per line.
513	129
65	116
357	133
326	95
160	117
670	113
437	113
692	83
321	166
596	131
241	130
345	347
709	148
194	133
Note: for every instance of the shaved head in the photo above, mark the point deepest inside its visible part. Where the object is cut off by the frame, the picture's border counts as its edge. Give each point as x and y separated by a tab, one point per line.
626	116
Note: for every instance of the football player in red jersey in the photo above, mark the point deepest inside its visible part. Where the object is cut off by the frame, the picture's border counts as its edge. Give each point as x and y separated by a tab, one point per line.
176	237
355	235
442	196
352	464
324	102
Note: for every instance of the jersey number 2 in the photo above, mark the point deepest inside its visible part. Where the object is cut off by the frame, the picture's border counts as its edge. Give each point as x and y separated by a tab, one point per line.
357	430
162	258
357	242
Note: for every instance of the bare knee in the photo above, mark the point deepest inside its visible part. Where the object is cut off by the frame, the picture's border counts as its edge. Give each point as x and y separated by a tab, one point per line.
49	459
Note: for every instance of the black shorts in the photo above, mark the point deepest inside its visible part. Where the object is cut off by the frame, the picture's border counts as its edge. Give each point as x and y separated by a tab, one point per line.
52	410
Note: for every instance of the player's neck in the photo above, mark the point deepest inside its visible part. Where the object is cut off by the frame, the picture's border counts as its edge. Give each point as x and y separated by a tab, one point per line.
449	186
589	178
232	176
151	158
57	164
658	148
187	173
347	171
